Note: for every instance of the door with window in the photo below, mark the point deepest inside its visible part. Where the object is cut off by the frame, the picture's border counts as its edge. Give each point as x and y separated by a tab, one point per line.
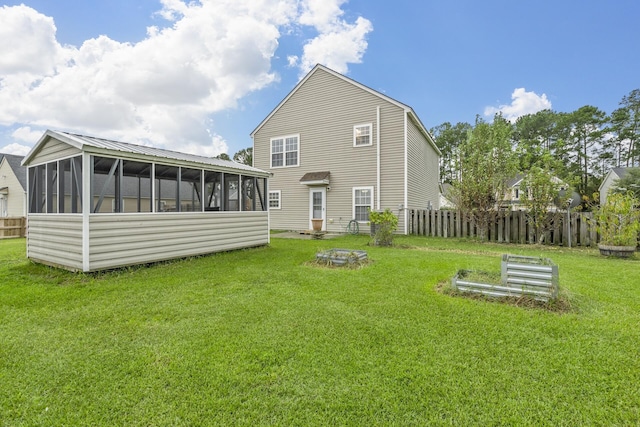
317	205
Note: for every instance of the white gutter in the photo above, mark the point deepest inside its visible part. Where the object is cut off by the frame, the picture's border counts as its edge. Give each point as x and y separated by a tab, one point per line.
26	212
378	157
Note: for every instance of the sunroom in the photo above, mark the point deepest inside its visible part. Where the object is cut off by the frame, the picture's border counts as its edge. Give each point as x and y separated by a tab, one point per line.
96	204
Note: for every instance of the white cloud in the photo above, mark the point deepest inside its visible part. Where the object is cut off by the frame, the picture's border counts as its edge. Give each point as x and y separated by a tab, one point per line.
338	42
219	145
337	48
293	60
322	14
522	103
163	89
26	134
17	149
28	42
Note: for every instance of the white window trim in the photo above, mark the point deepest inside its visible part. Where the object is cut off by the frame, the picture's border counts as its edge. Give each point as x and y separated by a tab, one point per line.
284	151
370	126
353	201
279	193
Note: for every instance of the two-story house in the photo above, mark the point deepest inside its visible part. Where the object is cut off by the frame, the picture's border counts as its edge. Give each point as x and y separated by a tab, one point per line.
337	149
516	195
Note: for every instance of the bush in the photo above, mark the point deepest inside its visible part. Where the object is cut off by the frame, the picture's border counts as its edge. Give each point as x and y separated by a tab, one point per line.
383	224
617	220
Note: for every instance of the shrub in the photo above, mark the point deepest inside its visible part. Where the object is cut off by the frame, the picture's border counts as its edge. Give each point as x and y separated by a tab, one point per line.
383	224
617	220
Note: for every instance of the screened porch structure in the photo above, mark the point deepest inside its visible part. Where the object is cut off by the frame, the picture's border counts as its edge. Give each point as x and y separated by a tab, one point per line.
96	204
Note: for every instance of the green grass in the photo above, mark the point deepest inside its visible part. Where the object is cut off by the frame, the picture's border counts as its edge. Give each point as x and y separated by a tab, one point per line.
265	337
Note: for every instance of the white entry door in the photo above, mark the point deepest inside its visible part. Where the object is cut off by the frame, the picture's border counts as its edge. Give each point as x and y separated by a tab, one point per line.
317	205
3	205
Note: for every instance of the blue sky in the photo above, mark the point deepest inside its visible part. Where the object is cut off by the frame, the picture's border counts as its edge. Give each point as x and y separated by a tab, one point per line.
200	76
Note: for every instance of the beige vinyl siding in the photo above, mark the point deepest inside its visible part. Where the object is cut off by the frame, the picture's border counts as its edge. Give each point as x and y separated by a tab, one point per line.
422	170
55	240
392	163
54	150
323	112
126	239
16	197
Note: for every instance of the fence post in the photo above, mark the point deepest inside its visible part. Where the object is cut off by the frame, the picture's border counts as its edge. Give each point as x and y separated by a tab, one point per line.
522	228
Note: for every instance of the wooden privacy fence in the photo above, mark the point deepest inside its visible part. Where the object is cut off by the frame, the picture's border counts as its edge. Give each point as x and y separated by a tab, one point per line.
12	227
505	227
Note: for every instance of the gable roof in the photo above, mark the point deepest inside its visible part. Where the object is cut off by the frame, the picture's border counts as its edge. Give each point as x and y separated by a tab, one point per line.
408	110
105	147
15	163
621	172
517	179
618	172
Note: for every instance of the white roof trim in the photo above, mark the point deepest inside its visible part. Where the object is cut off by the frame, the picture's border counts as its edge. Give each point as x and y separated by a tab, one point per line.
100	146
316	182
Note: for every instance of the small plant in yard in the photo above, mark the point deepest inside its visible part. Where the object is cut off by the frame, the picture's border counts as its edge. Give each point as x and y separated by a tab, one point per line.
618	220
479	276
383	225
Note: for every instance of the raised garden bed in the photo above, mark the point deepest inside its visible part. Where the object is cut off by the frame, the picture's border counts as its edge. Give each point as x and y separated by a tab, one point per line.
520	276
341	256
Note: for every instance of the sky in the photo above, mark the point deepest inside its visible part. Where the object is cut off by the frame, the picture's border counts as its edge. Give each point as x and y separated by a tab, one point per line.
199	76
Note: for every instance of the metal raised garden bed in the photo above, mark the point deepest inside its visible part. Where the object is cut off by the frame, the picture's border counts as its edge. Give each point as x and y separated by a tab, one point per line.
341	256
520	276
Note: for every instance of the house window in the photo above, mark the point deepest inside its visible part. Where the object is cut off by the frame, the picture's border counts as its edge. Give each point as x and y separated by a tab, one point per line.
517	196
362	135
285	151
362	203
274	199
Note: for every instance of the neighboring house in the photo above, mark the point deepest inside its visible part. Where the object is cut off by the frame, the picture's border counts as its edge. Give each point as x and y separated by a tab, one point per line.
337	149
516	194
446	196
13	186
609	181
95	204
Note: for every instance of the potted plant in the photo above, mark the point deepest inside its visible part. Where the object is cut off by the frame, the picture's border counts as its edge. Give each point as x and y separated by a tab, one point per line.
618	223
316	223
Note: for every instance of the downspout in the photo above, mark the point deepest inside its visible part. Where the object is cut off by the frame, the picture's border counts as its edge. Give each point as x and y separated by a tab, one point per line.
406	173
378	157
26	211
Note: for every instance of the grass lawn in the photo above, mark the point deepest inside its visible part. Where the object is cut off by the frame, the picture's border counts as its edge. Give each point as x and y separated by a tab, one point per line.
263	337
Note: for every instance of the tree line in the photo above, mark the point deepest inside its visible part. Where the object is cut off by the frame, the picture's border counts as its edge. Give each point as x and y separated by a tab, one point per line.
244	156
557	154
578	147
